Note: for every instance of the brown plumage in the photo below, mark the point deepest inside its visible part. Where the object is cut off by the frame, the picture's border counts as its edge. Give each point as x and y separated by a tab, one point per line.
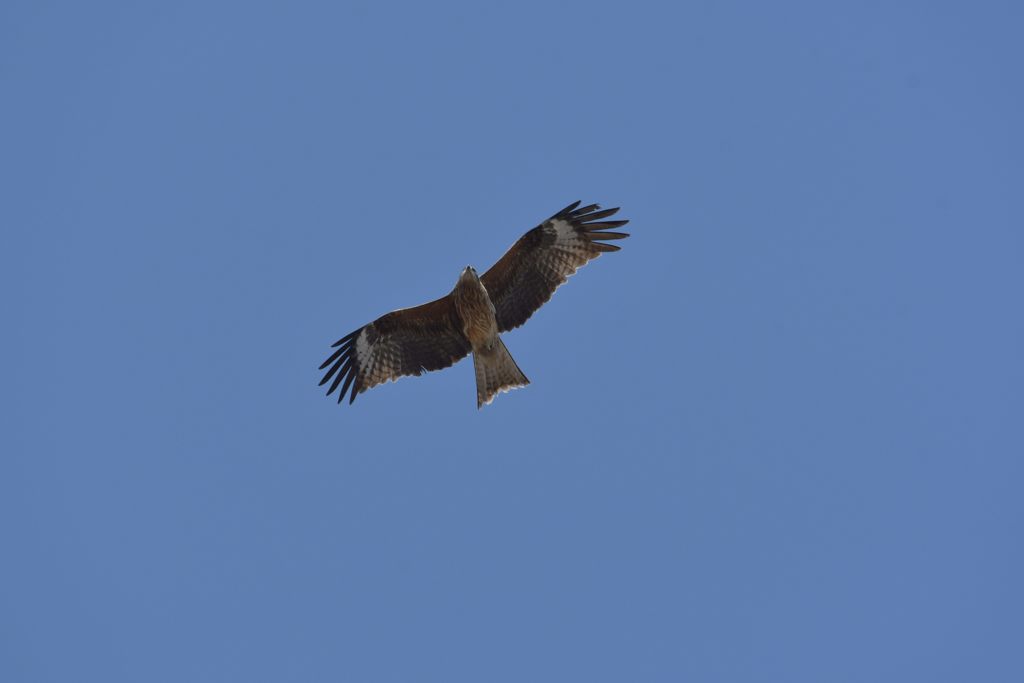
436	335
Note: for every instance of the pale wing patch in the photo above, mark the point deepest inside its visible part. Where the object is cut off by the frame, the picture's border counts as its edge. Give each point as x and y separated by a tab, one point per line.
378	362
569	252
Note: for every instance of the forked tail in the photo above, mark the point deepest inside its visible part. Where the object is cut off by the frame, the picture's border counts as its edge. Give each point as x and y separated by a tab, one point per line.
496	372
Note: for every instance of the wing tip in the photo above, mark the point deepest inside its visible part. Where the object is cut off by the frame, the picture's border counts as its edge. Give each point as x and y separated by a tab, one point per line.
343	368
569	209
594	236
347	337
604	225
588	213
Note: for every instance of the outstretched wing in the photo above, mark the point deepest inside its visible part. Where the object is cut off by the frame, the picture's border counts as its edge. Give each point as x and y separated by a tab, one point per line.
529	273
408	341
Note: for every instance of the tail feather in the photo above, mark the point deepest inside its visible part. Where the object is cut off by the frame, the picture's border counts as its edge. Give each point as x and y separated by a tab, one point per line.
496	372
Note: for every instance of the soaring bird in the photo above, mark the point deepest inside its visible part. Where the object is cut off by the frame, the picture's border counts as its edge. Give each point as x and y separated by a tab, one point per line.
470	318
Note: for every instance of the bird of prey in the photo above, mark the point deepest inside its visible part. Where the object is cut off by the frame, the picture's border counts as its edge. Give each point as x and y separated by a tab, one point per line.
470	318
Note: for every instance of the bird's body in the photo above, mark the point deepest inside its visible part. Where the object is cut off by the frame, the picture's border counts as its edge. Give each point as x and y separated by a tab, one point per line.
492	363
475	311
471	318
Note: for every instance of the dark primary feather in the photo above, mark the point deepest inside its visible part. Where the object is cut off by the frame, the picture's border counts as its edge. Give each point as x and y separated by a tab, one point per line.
408	341
529	273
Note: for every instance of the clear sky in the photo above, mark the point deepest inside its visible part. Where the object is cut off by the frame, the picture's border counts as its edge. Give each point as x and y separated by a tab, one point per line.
778	437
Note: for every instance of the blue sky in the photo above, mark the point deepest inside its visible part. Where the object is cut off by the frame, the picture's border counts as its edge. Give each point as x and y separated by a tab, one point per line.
778	437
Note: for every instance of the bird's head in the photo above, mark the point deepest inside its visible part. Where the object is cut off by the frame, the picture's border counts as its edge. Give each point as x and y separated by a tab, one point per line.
469	274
